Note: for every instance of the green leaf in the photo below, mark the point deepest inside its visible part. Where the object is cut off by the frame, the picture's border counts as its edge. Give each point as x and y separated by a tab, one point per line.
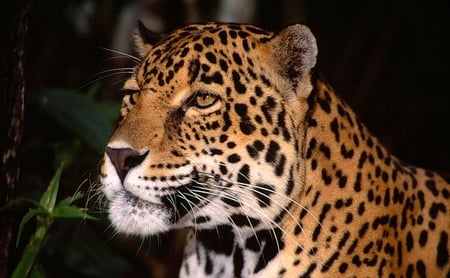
48	199
37	271
27	217
90	120
31	251
71	212
18	201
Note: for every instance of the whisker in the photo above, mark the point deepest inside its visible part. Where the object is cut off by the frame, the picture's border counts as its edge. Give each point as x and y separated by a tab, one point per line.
133	58
233	224
234	198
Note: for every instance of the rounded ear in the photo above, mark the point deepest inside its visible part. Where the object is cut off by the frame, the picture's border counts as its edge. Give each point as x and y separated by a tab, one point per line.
294	50
144	39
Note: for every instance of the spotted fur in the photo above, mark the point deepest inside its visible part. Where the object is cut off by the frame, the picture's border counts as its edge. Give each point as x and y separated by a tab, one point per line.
227	131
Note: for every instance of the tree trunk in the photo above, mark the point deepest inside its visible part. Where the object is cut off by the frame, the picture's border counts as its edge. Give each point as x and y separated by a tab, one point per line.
14	22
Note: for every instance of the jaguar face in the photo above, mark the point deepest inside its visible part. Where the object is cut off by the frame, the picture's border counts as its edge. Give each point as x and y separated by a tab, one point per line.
207	138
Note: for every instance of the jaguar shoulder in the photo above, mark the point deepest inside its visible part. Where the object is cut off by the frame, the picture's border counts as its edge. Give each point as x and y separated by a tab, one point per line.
227	131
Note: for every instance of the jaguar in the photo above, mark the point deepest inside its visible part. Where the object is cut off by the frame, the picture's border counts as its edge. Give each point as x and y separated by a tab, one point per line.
229	132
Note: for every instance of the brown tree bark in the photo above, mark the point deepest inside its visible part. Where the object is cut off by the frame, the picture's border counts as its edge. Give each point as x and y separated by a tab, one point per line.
14	21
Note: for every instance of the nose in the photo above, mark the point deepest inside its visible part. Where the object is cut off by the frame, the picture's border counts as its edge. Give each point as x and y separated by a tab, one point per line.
124	159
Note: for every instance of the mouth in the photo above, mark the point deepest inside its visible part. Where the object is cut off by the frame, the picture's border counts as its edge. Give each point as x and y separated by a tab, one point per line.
174	207
187	198
176	202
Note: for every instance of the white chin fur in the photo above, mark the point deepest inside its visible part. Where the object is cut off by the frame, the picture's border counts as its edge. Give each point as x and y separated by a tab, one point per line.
138	218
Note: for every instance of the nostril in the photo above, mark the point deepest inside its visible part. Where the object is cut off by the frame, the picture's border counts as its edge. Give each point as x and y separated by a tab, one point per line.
124	159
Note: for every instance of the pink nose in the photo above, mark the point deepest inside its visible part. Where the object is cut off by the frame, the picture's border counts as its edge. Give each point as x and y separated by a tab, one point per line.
124	159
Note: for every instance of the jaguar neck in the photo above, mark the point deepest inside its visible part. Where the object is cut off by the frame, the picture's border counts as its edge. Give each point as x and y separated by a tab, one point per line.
218	249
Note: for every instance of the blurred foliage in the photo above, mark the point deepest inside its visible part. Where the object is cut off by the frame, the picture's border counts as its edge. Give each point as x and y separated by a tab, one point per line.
89	120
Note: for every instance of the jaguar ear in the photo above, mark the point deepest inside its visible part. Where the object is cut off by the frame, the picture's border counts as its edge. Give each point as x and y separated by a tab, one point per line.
294	50
144	39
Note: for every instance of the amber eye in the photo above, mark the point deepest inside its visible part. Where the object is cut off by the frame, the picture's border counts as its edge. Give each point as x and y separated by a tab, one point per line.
204	100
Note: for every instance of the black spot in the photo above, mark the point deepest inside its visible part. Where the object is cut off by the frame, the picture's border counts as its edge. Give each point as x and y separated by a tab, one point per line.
219	240
334	125
267	108
272	152
308	272
237	59
357	185
194	69
198	47
409	271
234	158
256	30
202	219
409	242
223	65
362	231
241	109
322	216
325	177
362	159
272	243
343	240
282	125
435	208
312	123
330	261
443	253
421	197
223	169
343	267
324	104
208	265
254	149
184	52
399	253
279	168
423	238
208	41
421	269
369	142
325	150
238	262
241	220
243	34
223	37
246	126
387	197
347	154
431	185
349	218
245	45
211	57
223	138
342	181
379	152
240	88
243	174
178	65
258	91
263	194
361	208
215	151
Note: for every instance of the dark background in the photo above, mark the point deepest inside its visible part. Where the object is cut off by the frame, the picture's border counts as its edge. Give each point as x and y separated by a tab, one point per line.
388	59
